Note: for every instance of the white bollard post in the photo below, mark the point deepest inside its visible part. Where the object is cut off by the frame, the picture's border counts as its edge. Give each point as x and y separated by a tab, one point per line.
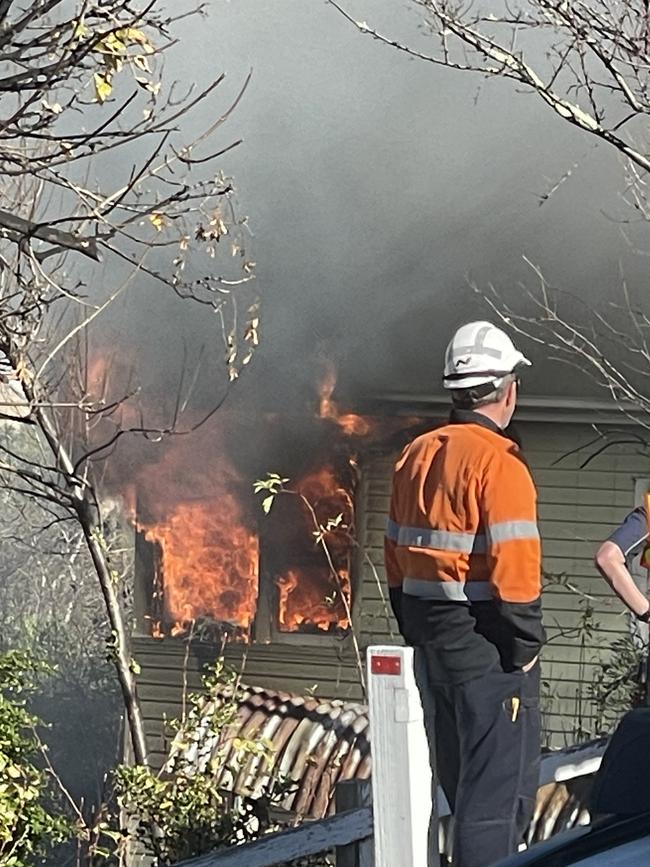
401	775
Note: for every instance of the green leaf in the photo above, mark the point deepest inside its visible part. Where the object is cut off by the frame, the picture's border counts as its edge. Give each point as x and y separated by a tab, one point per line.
267	502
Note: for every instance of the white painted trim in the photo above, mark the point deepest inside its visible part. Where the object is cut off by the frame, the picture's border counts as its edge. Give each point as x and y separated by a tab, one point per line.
640	575
401	777
529	408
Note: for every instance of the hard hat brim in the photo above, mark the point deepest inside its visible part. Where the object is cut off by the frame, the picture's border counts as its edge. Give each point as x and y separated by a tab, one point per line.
474	378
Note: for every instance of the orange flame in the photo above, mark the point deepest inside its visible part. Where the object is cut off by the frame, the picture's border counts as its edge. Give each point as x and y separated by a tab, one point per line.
209	562
186	498
309	599
315	593
350	424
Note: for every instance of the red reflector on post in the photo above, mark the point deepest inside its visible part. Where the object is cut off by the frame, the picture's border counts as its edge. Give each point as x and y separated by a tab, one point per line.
386	665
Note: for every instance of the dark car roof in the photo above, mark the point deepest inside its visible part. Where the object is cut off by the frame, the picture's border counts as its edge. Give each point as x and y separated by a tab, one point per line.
566	849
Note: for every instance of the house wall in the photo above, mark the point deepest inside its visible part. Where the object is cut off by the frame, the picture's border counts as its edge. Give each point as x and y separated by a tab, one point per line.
578	508
169	671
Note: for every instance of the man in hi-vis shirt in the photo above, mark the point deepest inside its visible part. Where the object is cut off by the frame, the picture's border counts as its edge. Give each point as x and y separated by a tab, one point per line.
464	571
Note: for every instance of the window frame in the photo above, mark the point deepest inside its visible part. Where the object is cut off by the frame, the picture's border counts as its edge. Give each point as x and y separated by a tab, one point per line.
640	575
264	627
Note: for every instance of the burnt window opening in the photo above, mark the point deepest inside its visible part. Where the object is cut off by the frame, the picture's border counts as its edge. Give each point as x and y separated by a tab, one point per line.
216	567
308	547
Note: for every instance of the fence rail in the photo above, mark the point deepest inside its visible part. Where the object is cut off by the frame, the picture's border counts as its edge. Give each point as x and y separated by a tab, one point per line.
350	830
311	838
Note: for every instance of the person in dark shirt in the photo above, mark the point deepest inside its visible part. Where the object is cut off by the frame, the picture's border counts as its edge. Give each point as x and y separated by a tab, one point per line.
613	557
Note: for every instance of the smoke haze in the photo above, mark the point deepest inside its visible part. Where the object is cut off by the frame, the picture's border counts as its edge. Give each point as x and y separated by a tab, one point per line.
376	185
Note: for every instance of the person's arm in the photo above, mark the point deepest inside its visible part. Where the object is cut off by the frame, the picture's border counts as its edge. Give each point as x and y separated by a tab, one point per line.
509	512
627	540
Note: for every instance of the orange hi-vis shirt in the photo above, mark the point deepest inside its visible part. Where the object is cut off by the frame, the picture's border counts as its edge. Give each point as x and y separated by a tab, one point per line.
463	519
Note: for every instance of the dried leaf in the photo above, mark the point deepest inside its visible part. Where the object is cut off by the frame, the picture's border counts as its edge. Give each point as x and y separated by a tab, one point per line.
103	87
151	86
52	107
133	34
158	220
111	44
141	62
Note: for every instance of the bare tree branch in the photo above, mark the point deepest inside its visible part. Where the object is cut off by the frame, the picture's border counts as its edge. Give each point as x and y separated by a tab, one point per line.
97	164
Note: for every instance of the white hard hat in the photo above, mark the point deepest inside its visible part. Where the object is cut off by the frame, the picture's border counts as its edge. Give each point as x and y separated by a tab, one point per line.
479	353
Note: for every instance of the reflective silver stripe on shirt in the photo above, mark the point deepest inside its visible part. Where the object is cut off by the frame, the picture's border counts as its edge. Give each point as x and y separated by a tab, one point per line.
508	531
439	540
442	540
463	543
449	591
392	530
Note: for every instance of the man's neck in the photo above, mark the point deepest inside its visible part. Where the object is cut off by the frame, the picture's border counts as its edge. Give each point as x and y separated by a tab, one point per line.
472	416
493	413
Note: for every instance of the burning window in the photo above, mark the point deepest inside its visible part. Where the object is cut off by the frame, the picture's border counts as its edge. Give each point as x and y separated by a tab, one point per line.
205	566
206	554
308	548
204	558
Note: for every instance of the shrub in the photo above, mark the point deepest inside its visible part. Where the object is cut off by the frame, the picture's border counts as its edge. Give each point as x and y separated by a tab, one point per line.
28	827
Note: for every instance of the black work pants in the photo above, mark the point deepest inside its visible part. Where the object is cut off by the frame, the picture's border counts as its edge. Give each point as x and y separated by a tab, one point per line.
486	739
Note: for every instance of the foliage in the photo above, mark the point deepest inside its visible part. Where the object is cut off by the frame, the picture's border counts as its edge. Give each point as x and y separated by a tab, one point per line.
28	828
52	608
98	165
189	812
186	809
610	676
618	686
271	486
